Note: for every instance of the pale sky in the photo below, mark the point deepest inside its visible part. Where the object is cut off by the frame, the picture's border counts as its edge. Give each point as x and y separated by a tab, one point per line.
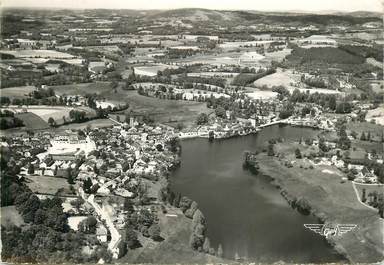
262	5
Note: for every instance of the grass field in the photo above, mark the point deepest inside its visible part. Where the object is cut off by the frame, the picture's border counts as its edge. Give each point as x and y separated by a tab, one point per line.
165	111
58	113
288	79
10	216
32	121
17	92
83	88
50	185
98	123
39	53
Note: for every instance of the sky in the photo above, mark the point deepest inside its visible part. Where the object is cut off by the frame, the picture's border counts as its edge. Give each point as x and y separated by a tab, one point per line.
262	5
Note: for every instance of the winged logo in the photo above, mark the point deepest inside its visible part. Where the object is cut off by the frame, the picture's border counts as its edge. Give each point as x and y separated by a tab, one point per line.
329	230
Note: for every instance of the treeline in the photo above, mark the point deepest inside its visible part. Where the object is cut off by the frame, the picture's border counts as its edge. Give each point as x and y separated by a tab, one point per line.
375	51
220	82
244	79
327	55
314	81
198	240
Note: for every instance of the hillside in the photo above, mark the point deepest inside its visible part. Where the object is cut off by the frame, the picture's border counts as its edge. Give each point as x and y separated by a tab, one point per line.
218	16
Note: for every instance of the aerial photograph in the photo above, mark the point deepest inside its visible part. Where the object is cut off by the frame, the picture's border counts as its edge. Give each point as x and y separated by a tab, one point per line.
192	132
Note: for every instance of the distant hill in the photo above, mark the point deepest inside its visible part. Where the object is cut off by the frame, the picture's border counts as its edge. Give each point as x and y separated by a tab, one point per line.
218	16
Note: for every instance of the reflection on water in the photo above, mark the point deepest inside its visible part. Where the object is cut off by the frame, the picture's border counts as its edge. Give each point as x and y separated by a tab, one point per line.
244	212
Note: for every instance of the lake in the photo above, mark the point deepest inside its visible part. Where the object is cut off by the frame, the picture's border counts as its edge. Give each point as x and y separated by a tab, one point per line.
244	212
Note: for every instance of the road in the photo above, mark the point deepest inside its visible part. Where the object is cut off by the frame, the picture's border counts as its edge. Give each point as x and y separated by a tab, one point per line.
115	235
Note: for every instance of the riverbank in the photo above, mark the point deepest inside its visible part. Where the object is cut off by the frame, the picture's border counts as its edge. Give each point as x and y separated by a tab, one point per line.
324	196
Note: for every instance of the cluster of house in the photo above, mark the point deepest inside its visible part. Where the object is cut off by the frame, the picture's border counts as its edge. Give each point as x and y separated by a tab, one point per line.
115	160
361	173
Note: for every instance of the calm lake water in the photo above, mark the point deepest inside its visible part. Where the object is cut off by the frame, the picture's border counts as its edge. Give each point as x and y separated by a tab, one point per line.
244	212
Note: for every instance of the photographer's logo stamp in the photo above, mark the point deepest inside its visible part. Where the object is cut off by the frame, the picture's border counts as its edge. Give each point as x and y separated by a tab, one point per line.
331	230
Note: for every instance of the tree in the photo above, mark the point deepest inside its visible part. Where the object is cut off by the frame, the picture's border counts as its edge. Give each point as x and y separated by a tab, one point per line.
51	122
70	178
363	196
220	112
154	232
88	225
322	146
220	251
206	245
176	201
128	205
131	238
363	137
270	152
185	203
202	119
298	153
87	184
31	169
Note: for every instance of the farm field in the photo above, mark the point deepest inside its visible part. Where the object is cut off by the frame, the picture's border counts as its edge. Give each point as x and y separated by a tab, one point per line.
58	113
83	88
278	55
17	92
165	111
32	121
97	123
152	70
287	79
39	53
280	78
260	94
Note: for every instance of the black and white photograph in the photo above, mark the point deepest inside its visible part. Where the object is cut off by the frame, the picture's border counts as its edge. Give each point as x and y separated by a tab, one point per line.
192	132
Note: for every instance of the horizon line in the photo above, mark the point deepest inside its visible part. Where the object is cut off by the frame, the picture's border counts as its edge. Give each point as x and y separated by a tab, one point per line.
168	9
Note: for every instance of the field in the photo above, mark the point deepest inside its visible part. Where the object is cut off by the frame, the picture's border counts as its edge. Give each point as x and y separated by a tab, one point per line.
10	216
39	53
260	94
98	123
48	185
152	70
57	113
288	80
17	92
83	89
278	55
280	78
359	127
165	111
376	114
32	121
